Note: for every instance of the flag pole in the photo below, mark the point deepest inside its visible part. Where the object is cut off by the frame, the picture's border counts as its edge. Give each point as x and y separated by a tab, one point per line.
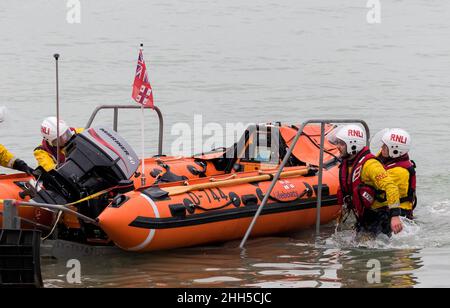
143	179
142	147
56	56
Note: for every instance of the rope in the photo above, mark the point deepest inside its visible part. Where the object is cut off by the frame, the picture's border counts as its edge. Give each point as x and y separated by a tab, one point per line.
54	226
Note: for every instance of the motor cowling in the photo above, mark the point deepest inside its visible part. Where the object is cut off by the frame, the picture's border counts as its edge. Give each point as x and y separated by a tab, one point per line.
96	159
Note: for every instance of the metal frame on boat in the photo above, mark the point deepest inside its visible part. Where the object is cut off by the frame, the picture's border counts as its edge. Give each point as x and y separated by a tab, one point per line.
116	117
322	123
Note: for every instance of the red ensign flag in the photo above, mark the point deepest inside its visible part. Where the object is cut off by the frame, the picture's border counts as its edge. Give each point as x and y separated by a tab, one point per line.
142	90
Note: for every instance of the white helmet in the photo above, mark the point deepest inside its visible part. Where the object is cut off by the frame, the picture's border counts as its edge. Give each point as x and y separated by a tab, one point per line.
354	137
398	142
48	131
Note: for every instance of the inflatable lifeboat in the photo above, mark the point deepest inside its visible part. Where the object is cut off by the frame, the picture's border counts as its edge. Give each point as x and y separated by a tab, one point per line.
218	203
186	201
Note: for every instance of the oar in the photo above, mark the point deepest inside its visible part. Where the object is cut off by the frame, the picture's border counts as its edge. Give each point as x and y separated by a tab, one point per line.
176	190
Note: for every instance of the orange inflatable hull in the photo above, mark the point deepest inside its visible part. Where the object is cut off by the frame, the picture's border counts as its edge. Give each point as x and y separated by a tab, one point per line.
144	220
10	187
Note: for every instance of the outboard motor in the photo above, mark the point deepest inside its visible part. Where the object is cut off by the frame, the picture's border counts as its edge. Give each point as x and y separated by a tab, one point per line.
96	159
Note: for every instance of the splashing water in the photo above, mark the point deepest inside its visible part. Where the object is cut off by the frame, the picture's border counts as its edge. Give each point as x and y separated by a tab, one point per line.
409	238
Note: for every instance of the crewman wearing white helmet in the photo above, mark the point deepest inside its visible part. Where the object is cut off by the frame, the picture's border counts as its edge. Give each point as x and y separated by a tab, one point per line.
46	153
7	159
362	178
396	144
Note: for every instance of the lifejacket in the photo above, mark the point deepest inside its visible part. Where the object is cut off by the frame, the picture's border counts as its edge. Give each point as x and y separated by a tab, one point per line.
53	150
357	195
410	166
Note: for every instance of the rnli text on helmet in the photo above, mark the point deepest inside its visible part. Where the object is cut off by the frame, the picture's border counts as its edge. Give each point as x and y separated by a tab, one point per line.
399	138
45	130
355	133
